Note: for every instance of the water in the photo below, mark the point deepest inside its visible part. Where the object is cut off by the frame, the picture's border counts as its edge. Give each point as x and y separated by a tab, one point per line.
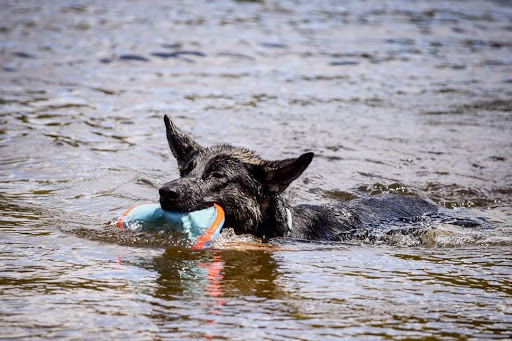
405	97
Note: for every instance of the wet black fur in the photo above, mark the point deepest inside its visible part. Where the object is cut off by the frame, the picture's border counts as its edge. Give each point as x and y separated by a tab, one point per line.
249	188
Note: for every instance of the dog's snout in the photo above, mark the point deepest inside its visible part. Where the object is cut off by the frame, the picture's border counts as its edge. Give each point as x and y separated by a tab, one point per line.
169	193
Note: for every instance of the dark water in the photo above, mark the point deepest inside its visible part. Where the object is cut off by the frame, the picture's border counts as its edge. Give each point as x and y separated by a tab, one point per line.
407	97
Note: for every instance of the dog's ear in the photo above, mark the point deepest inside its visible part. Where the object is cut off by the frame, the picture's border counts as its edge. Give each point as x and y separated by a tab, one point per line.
182	146
280	174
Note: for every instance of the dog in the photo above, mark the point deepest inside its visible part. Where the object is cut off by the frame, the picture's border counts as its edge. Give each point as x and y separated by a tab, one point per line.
249	189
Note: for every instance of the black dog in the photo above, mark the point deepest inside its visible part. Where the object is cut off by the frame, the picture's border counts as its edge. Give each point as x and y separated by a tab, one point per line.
249	188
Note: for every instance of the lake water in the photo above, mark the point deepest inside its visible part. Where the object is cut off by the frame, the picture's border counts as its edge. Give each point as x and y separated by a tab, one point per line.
405	97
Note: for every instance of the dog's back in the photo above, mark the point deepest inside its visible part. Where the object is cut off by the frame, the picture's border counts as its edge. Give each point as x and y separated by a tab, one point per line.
350	219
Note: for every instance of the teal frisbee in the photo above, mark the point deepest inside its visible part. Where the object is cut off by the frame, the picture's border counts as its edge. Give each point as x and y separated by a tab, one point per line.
201	226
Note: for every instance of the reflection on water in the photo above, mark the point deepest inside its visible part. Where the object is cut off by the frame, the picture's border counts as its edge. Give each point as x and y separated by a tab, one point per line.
402	97
207	293
215	273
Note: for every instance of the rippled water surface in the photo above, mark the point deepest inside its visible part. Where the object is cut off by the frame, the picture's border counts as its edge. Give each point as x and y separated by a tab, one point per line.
406	97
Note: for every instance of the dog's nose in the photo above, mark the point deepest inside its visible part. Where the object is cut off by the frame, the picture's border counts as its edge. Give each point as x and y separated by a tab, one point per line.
168	193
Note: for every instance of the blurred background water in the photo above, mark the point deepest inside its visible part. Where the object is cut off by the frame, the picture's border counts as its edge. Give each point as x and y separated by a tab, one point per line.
407	97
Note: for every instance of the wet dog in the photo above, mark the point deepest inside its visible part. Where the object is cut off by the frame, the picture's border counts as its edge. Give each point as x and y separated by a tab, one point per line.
249	189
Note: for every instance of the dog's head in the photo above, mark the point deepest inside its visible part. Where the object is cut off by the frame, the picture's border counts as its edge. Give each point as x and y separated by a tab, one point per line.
239	181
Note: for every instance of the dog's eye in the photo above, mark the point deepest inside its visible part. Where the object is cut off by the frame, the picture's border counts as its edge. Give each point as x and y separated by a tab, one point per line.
216	175
188	168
